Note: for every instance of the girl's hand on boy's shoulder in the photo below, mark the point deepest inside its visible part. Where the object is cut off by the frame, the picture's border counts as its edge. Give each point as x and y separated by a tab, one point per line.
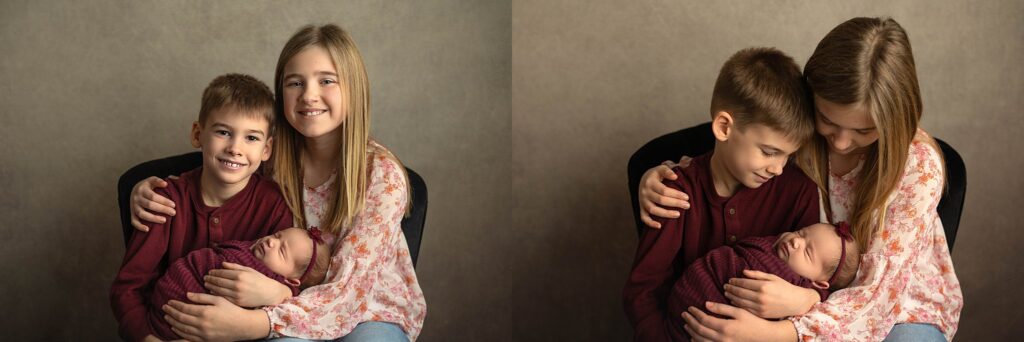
655	196
145	203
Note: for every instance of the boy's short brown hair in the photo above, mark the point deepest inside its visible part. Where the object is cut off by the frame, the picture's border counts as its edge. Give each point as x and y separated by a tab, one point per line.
765	86
243	92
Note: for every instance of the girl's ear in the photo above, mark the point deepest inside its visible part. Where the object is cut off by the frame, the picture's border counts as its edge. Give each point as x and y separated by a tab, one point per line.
293	281
823	285
194	136
722	125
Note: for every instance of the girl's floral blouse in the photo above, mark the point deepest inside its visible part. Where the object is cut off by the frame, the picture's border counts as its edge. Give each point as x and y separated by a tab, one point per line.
906	275
371	277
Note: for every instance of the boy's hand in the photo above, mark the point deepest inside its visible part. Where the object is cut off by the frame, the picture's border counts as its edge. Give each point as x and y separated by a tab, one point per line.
768	296
653	195
735	325
144	201
213	318
245	287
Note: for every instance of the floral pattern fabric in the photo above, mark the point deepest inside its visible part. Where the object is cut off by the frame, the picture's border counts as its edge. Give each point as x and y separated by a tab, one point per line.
371	277
906	275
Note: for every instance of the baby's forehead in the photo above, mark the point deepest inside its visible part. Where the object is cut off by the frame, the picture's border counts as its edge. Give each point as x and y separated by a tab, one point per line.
821	228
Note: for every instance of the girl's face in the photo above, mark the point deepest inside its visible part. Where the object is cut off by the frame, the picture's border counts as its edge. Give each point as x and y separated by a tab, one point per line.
849	129
314	98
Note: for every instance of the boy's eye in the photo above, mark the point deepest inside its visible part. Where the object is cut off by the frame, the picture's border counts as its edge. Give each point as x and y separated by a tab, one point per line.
222	132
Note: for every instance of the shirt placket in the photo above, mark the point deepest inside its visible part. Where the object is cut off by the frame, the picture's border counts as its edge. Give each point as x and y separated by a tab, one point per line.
216	232
732	223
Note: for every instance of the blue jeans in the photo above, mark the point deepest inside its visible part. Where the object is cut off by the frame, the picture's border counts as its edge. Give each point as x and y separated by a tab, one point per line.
365	332
914	332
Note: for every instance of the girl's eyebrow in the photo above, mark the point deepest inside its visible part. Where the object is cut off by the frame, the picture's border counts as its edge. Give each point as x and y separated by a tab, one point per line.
317	73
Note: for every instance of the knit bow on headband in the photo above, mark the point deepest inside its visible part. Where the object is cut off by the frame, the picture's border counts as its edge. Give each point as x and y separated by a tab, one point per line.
843	230
315	235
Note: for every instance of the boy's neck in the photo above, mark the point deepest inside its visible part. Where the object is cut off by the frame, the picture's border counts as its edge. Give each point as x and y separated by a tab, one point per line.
215	193
725	184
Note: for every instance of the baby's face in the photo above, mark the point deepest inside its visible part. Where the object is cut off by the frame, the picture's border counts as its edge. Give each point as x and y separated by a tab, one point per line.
809	250
285	252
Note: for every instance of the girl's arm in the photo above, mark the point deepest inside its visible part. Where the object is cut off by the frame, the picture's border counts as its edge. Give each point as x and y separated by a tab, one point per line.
363	284
245	286
146	203
768	296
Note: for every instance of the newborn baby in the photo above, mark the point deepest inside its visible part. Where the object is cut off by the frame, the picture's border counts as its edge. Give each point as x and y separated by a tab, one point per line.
819	256
286	256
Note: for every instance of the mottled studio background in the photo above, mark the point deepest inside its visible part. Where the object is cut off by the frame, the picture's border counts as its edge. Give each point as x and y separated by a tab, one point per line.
520	115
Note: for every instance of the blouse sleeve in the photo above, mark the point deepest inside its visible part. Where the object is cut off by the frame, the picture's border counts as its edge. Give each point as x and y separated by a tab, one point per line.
371	276
906	274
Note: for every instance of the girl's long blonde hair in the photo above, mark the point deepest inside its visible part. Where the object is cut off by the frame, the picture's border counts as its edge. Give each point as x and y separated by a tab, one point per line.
348	197
867	60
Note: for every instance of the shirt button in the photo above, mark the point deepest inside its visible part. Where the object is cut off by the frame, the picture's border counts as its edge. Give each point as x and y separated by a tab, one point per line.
732	238
216	220
732	211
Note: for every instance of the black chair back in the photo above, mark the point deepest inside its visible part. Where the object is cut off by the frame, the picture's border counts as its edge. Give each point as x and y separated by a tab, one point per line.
697	140
412	225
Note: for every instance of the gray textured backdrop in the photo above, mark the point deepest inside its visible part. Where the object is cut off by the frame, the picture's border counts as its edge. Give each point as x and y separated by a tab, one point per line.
520	115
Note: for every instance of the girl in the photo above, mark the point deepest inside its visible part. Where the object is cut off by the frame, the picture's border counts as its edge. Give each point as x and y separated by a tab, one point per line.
334	178
878	171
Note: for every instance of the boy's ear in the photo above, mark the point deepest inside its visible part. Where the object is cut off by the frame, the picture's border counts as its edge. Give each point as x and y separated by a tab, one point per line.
194	136
722	125
821	284
293	281
267	149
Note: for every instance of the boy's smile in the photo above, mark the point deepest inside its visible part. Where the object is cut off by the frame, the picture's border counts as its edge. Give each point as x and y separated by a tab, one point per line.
234	144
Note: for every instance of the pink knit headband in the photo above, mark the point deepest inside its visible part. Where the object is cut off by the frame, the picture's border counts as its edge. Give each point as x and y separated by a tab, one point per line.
843	230
314	234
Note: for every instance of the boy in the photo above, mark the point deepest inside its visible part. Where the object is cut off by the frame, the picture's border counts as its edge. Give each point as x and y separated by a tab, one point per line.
760	113
820	257
221	200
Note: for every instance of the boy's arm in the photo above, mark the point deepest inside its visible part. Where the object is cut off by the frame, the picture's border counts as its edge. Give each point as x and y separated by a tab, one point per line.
654	271
142	266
